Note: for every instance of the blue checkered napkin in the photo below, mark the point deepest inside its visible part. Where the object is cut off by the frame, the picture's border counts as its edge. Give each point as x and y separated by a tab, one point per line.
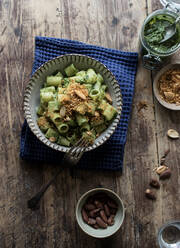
123	65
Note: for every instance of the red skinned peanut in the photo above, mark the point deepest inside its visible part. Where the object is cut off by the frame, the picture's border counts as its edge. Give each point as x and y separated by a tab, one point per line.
103	216
84	215
107	211
101	223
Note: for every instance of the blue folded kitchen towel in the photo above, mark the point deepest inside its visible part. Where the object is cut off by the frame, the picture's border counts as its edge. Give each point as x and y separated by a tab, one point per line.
123	65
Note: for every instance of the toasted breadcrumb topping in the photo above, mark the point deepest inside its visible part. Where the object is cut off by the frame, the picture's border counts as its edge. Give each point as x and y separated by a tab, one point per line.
75	95
42	121
169	86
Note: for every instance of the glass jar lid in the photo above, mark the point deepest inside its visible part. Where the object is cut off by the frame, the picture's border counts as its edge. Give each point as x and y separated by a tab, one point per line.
174	4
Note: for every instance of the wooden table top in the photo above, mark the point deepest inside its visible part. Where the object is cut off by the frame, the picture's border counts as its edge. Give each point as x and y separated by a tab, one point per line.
113	24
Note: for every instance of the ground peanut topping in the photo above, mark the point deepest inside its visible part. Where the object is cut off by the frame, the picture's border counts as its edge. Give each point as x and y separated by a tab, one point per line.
76	94
169	86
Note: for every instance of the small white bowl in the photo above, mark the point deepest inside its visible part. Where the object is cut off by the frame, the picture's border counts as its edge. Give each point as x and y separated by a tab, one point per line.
171	106
110	230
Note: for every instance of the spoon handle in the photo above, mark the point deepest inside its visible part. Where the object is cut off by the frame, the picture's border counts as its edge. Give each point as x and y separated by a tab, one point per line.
33	203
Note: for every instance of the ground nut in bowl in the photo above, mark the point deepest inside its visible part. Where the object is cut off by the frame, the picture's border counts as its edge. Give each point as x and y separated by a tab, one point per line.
36	91
97	222
166	86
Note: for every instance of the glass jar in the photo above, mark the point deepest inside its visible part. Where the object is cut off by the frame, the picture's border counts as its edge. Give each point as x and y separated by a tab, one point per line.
153	59
169	235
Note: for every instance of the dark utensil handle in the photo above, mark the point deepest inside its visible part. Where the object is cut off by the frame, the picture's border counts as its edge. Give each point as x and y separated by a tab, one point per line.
33	203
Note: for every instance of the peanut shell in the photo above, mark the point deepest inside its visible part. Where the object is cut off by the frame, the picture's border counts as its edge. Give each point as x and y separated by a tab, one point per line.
173	134
161	169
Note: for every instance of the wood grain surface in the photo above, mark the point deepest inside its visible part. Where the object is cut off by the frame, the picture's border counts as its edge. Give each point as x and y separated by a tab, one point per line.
113	24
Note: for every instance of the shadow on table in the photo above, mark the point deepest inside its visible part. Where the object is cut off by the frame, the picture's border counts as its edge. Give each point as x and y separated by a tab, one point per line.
74	172
110	242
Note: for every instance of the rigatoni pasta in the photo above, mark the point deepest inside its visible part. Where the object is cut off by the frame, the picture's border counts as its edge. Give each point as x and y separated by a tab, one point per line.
74	104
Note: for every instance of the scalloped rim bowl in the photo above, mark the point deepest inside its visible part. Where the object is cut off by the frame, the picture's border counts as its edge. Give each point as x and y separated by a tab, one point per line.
167	105
32	94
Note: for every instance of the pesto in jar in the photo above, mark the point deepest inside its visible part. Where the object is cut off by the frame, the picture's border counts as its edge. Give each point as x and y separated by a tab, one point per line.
154	32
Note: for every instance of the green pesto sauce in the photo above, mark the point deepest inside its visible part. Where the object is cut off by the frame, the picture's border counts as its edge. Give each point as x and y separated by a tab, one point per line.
154	32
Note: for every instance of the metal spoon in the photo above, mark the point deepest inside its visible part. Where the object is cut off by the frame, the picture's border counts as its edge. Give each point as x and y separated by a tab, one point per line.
170	31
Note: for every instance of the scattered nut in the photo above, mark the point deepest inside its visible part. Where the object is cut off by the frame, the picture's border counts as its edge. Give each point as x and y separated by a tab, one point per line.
162	161
173	134
154	183
161	169
149	194
165	175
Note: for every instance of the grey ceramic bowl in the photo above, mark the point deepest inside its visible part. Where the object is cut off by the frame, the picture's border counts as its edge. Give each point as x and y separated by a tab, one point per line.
167	105
110	230
32	94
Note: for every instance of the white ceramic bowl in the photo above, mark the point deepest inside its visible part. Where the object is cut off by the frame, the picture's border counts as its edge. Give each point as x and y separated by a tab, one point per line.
82	62
167	105
110	230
